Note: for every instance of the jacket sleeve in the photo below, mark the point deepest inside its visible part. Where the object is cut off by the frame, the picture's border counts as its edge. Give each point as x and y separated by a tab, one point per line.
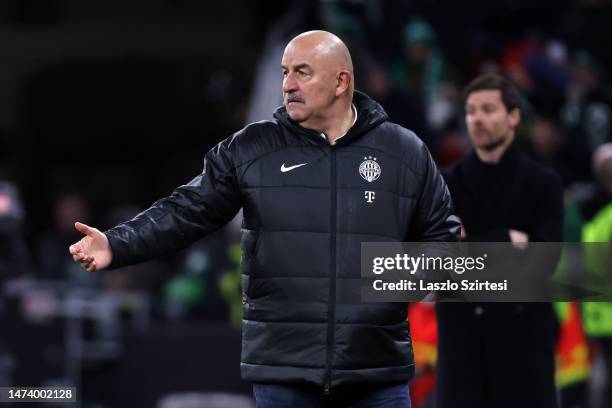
435	220
192	211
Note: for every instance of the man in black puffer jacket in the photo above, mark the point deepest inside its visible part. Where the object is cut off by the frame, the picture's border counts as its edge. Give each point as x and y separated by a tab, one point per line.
329	173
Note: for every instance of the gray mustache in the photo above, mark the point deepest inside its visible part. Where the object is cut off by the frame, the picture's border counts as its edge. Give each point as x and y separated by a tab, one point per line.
292	97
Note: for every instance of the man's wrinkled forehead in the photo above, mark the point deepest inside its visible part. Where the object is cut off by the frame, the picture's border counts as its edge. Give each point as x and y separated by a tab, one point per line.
302	52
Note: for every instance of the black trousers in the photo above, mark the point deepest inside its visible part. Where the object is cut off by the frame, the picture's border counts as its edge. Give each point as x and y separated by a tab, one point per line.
497	355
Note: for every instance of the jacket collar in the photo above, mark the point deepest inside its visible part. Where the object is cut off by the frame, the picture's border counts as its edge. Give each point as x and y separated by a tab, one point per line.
369	115
506	163
479	174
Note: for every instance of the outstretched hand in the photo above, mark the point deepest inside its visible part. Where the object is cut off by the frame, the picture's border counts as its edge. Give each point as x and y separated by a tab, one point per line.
92	252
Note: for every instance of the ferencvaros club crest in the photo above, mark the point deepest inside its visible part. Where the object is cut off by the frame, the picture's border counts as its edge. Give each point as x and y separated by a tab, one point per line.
369	169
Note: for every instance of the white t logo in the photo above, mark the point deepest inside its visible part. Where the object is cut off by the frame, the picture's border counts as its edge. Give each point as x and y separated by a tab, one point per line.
370	196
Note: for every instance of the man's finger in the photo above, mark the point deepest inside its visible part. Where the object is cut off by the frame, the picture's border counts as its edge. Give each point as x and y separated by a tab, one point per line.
81	258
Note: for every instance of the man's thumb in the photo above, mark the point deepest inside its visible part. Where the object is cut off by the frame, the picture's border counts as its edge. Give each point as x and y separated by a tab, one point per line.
85	229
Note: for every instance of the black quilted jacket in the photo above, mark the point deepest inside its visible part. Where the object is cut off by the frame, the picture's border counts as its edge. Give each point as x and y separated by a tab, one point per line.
307	208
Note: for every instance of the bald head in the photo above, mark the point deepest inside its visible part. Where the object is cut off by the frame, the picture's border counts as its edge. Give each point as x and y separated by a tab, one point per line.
602	165
318	80
327	45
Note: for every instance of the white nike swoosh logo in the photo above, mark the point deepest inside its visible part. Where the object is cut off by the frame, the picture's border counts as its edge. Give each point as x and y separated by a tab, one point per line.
286	169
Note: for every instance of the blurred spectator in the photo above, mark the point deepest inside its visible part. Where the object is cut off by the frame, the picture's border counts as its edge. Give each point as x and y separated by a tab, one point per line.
598	228
346	24
424	326
573	363
193	291
54	261
14	257
14	261
602	167
551	146
422	70
587	112
549	67
540	69
451	147
403	108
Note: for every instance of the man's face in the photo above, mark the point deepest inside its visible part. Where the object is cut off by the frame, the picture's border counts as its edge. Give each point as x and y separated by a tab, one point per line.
488	121
309	83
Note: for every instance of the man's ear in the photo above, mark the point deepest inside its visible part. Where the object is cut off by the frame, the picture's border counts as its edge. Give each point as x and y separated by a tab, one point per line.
515	117
343	82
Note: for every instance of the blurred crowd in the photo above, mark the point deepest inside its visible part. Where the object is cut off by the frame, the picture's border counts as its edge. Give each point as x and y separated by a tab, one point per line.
413	57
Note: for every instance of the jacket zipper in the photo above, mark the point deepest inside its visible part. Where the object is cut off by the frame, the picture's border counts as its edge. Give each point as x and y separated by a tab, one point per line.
332	279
